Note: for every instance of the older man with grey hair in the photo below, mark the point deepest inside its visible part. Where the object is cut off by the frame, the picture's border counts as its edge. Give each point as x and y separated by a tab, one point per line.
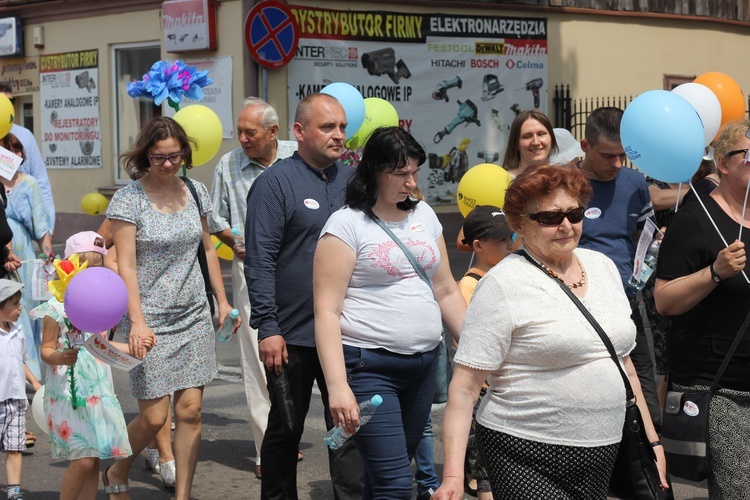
257	130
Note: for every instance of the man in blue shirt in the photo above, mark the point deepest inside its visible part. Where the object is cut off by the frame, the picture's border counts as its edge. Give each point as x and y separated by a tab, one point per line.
613	222
287	207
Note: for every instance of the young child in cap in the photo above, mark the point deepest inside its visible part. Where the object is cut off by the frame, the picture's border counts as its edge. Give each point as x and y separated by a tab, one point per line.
490	237
83	414
12	384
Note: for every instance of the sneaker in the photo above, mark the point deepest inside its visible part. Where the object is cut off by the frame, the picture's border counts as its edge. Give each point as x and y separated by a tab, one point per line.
14	493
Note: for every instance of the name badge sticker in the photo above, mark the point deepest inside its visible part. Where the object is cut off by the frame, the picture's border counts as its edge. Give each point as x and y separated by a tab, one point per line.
311	204
593	213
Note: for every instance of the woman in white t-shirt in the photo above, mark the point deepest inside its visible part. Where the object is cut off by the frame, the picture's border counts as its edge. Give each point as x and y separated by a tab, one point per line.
552	419
377	322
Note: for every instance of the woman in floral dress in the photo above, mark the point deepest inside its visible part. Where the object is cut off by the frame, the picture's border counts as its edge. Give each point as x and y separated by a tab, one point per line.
157	227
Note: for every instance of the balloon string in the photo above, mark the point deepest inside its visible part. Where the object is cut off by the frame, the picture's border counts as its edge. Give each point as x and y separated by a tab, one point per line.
715	226
744	208
677	201
471	261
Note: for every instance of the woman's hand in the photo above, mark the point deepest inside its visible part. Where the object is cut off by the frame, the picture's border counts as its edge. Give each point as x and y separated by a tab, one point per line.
730	260
344	409
452	488
661	464
141	340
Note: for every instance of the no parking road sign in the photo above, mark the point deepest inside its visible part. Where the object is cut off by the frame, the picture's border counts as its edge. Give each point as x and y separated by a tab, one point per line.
271	34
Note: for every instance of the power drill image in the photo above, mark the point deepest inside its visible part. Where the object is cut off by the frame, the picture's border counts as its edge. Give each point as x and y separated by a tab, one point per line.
534	86
455	163
467	113
441	91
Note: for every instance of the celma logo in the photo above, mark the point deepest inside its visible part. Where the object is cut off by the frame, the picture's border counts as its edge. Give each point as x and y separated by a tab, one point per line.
510	64
519	64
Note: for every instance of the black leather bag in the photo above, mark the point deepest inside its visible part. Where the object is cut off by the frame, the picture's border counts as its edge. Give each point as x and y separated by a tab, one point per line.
635	475
202	261
684	434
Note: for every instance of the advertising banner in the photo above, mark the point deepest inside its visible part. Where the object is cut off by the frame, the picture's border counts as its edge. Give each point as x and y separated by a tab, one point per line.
218	95
70	110
456	81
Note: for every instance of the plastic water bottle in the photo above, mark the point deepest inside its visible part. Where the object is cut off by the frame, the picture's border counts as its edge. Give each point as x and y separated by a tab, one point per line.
338	436
225	332
649	266
238	239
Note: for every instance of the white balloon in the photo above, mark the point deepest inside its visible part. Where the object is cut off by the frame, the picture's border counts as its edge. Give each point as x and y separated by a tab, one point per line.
37	410
705	103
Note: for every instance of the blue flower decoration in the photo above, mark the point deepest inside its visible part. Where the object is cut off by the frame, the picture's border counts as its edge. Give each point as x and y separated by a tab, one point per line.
171	81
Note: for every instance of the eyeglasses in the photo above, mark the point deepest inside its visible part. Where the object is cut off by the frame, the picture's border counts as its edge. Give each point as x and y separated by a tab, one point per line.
159	160
574	215
745	152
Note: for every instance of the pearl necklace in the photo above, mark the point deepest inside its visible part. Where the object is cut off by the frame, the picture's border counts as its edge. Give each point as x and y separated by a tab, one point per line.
577	284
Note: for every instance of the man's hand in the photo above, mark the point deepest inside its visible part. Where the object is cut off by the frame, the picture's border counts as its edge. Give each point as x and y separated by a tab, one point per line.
239	251
12	261
272	352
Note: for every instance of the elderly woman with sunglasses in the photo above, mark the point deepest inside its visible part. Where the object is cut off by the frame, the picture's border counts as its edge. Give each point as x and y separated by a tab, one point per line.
157	227
551	422
701	283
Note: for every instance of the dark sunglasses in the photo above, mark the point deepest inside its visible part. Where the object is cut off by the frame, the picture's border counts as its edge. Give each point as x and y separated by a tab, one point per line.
745	152
574	215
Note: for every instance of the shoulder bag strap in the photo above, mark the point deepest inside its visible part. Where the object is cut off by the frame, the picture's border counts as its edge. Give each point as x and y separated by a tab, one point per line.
473	275
419	269
599	330
192	190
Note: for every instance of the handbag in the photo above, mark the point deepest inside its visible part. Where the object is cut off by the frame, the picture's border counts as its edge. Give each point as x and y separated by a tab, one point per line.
635	475
685	424
202	261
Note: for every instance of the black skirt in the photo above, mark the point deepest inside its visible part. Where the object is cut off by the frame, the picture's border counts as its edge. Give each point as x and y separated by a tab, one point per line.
523	469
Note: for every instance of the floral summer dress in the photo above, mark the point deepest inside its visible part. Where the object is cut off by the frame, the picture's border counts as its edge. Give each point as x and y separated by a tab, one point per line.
96	429
172	292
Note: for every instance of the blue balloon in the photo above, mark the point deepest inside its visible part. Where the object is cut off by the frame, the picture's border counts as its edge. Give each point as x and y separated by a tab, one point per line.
663	136
352	102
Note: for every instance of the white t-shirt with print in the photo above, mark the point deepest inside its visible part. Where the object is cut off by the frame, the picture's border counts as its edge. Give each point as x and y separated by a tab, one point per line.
387	304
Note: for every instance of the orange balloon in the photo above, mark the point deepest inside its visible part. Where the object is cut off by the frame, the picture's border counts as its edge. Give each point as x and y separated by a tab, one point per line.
728	92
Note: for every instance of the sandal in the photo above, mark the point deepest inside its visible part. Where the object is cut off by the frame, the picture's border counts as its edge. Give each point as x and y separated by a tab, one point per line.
113	489
167	471
151	459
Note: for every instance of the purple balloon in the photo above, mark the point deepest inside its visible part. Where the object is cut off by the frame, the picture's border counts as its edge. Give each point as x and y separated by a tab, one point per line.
96	299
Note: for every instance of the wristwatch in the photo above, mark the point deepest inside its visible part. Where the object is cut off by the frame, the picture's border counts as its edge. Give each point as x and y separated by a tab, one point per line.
714	275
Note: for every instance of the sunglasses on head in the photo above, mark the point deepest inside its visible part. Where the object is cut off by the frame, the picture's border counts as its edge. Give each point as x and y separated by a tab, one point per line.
555	218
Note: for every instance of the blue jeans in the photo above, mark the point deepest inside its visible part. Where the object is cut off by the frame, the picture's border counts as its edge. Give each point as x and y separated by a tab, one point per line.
388	442
424	459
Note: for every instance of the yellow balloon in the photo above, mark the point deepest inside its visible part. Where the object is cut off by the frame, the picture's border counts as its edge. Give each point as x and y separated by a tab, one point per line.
94	203
222	250
483	184
7	113
202	125
378	113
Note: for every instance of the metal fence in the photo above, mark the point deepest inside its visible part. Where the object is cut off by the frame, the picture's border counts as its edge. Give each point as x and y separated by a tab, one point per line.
571	114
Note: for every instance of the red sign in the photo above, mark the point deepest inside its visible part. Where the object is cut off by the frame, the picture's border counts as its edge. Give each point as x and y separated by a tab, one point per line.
271	34
189	25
